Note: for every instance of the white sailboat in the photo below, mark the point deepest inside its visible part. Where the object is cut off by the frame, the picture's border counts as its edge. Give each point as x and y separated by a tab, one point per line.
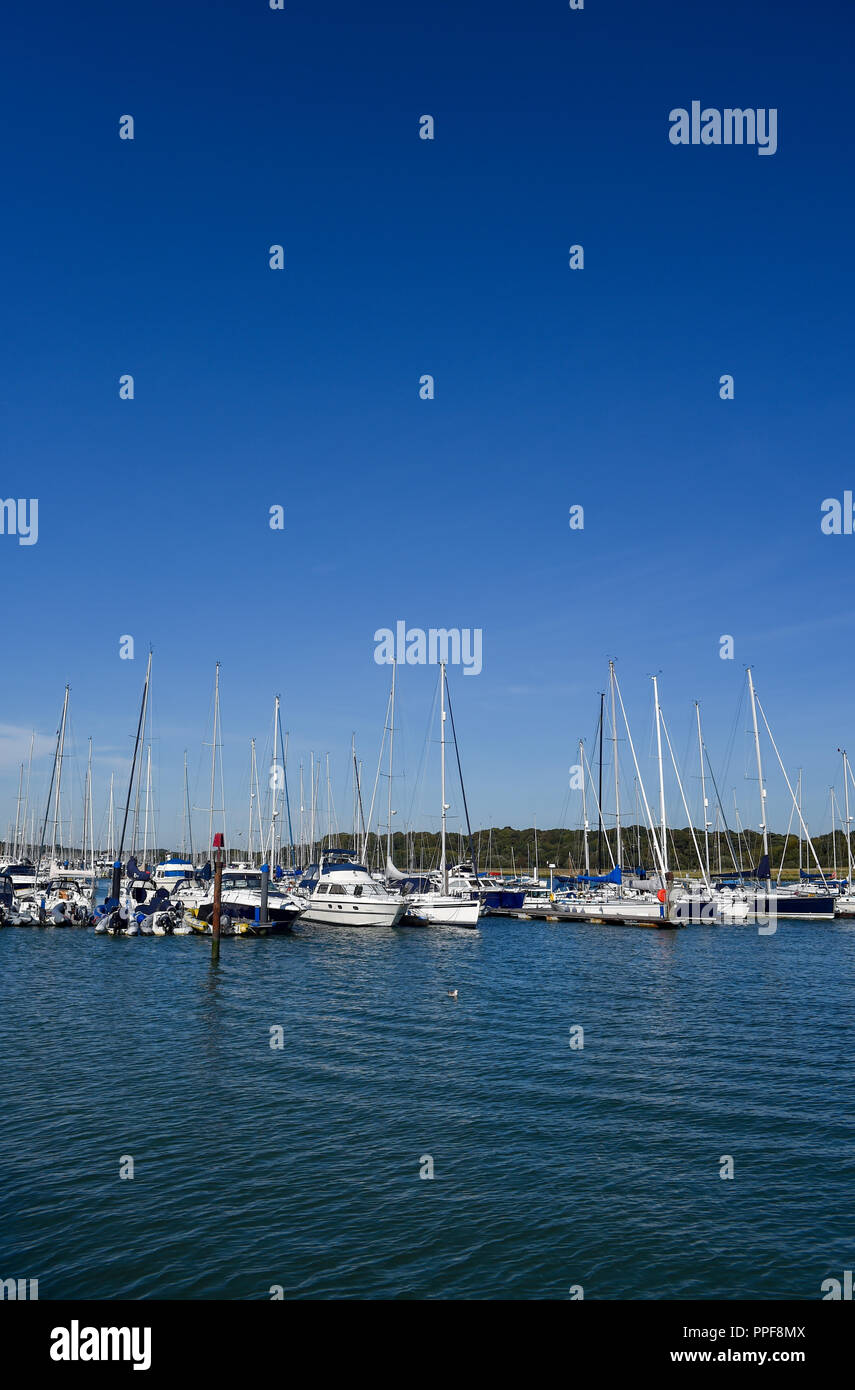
439	907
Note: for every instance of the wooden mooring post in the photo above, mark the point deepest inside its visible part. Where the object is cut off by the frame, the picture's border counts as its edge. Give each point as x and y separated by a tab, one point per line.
219	855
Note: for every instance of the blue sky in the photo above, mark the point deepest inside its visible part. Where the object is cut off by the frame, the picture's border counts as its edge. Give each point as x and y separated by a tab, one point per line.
449	257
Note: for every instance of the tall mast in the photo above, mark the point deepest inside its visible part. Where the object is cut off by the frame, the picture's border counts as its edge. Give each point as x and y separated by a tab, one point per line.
799	803
662	817
27	797
56	806
274	805
111	824
584	809
391	747
443	868
49	794
848	819
763	826
88	830
600	792
140	727
252	777
18	813
355	789
833	832
617	778
302	823
703	792
147	806
311	805
91	820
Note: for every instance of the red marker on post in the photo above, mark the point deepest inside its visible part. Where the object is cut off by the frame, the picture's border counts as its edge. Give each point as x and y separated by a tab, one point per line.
219	855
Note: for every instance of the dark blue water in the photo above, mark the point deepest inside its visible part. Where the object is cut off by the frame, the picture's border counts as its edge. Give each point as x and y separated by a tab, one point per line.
553	1167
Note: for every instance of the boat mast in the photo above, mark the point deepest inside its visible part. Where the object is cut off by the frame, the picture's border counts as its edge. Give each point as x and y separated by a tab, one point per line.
111	824
61	747
618	853
662	817
355	790
140	726
312	805
848	819
275	782
703	792
252	776
18	813
600	792
443	868
85	814
799	804
391	746
584	809
27	797
653	838
88	836
147	806
186	822
48	798
763	826
302	823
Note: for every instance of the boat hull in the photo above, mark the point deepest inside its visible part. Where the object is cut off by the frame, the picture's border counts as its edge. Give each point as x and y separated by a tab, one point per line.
425	910
325	912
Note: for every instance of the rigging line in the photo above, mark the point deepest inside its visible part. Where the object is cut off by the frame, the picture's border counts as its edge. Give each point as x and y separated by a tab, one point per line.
792	793
287	798
721	809
597	804
683	797
459	768
784	850
729	747
422	764
377	773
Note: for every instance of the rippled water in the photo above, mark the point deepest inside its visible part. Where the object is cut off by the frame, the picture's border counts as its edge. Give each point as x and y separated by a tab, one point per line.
553	1166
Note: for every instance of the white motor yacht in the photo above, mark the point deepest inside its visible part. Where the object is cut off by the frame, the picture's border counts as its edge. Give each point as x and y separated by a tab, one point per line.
340	892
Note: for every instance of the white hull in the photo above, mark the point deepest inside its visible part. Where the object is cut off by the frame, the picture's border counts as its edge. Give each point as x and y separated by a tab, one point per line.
347	913
435	910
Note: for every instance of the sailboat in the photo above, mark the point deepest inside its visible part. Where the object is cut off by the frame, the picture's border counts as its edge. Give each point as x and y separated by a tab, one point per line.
438	907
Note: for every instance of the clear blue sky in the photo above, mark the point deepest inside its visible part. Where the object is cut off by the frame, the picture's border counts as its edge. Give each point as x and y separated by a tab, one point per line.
404	257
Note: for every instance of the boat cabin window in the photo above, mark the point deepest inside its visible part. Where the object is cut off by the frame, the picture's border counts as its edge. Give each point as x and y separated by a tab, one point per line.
232	881
337	888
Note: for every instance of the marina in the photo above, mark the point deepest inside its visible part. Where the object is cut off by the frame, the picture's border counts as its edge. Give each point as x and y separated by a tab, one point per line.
283	883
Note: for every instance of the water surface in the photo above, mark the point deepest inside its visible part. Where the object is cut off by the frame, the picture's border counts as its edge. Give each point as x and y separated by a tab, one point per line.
553	1167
